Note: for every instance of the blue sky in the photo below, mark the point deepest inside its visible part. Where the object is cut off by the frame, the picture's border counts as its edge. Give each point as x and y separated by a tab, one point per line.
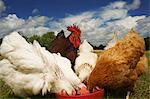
97	19
60	8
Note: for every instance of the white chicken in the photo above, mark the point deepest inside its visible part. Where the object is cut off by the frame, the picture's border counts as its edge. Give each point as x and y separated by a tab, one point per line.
112	42
86	61
30	69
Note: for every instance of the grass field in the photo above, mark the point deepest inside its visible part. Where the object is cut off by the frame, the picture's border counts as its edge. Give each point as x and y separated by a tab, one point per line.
141	89
142	86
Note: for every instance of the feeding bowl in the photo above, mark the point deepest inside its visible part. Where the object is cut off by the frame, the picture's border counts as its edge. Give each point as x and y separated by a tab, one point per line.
95	95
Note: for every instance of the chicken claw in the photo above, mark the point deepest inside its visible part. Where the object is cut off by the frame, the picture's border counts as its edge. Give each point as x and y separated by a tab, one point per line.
73	92
83	90
64	93
96	89
82	85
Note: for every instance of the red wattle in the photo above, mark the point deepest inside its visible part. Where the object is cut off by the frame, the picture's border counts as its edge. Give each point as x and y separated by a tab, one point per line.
75	41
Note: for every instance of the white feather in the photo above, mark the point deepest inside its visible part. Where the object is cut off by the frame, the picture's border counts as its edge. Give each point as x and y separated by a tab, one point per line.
112	42
21	84
86	61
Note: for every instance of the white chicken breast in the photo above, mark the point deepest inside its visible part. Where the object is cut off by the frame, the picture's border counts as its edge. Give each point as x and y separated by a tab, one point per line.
86	61
34	68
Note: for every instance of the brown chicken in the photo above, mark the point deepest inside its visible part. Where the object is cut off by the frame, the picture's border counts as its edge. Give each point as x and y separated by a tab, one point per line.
116	68
67	46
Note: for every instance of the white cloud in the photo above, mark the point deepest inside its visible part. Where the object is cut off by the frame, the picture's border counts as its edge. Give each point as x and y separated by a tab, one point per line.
118	9
96	26
122	4
134	5
2	6
129	21
35	11
144	26
76	19
33	25
117	4
84	20
33	31
36	21
109	14
10	23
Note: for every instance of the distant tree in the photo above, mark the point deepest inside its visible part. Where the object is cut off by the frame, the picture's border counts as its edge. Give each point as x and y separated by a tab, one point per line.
44	40
94	47
1	41
101	46
147	43
34	37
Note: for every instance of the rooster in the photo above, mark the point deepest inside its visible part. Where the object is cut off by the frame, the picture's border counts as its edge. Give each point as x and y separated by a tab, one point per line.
67	47
85	62
116	67
30	69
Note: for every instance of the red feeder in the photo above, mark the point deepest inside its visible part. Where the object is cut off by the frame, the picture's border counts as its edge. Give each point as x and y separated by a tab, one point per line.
95	95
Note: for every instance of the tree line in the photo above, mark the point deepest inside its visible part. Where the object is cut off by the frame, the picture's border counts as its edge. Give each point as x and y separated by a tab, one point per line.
46	39
147	45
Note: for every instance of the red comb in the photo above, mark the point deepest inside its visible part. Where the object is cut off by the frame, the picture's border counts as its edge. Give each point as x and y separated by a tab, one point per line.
74	28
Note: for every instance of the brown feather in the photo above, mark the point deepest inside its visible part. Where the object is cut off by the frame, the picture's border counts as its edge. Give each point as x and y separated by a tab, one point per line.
115	68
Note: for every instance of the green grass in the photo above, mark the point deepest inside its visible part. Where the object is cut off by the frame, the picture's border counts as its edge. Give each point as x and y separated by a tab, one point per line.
140	91
142	85
148	56
5	91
